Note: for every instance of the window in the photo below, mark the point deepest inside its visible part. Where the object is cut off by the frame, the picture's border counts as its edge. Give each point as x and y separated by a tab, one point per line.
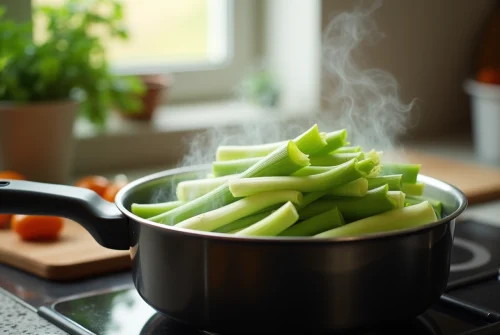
167	34
196	41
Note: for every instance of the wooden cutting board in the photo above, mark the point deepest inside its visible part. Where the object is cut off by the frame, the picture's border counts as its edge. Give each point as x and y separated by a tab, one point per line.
78	255
478	182
74	256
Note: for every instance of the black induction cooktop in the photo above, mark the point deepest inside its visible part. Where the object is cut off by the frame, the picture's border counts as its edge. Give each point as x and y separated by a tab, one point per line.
471	305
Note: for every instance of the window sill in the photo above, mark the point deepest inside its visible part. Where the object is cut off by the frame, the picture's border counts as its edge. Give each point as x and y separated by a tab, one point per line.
162	142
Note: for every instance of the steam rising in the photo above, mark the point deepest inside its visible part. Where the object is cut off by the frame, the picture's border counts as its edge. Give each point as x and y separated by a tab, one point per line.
364	101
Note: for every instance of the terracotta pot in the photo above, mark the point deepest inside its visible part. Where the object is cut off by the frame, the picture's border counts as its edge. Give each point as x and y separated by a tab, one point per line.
37	139
156	86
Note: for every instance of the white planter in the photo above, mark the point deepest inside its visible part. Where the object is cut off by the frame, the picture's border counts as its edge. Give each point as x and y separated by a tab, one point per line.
485	106
37	140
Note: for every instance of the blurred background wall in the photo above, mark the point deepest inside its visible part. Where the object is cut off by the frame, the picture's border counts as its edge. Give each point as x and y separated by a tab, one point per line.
429	47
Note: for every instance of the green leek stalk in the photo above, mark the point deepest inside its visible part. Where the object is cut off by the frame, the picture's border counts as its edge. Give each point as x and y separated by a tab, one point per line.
347	149
309	198
394	181
398	197
311	170
416	189
224	168
370	165
233	152
375	201
337	176
236	230
335	159
355	188
224	215
283	161
243	222
334	140
306	200
309	142
436	204
273	224
367	166
403	218
409	171
149	210
316	224
191	189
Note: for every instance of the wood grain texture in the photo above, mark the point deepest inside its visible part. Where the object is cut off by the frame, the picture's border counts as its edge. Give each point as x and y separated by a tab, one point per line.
75	255
479	183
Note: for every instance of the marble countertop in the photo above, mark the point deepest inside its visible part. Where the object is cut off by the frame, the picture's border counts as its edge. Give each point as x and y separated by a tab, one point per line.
16	318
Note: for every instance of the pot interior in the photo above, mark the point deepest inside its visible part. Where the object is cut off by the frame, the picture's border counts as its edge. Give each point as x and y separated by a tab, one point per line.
161	187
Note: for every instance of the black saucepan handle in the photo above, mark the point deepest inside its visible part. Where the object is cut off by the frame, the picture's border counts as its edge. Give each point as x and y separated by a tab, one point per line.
101	218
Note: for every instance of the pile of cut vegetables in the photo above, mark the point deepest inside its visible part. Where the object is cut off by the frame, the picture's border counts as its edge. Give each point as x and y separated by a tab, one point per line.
317	184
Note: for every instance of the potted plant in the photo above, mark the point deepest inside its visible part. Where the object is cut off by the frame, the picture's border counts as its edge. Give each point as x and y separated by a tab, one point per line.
156	86
45	85
260	88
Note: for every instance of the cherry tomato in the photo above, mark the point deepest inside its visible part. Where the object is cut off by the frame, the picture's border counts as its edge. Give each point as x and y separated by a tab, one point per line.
97	184
12	175
8	175
5	220
35	227
118	183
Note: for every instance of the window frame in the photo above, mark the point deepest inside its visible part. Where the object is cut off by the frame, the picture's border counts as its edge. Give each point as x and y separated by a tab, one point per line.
202	81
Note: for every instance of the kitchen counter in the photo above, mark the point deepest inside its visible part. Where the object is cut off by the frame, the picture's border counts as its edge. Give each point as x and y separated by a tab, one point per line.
18	317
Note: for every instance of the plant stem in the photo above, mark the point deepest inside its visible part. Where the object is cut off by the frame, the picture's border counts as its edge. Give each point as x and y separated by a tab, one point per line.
309	198
436	204
355	188
347	149
191	189
232	152
338	175
149	210
409	171
243	222
236	230
274	223
309	142
413	188
335	159
334	140
398	197
224	168
374	202
394	181
224	215
311	170
369	166
402	218
283	161
316	224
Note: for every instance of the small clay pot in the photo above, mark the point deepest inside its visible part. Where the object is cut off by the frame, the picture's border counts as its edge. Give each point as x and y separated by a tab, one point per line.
156	86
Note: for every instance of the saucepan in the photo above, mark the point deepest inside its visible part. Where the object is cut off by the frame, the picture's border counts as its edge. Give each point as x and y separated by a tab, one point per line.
230	284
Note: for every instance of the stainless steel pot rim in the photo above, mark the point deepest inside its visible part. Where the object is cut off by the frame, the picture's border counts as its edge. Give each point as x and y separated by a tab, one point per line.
273	239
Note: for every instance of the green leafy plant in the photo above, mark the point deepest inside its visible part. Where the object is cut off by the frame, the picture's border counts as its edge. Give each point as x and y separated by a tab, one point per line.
260	88
70	62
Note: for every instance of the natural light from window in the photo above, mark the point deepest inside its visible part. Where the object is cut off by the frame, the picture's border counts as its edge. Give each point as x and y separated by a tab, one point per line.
168	35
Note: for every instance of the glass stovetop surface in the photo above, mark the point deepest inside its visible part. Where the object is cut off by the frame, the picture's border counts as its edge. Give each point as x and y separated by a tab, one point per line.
123	312
476	250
